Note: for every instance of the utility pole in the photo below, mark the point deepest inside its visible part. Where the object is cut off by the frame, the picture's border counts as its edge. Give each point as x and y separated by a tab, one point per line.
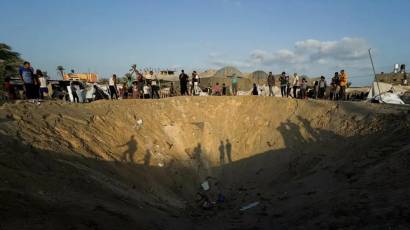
375	78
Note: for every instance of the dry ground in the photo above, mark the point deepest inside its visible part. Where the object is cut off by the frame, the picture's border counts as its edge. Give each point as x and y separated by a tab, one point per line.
138	164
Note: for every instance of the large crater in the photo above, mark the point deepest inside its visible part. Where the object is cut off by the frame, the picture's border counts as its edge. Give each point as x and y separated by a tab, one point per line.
139	164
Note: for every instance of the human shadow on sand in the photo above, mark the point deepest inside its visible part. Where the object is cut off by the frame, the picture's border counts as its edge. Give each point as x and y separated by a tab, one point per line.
129	153
225	151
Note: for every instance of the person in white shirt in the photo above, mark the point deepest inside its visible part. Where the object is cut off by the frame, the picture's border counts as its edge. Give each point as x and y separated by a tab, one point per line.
296	84
113	86
195	82
146	91
43	83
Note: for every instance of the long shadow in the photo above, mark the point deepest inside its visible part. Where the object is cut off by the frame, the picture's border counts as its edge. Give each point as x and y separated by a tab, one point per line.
147	157
228	146
221	150
42	189
225	151
132	147
317	182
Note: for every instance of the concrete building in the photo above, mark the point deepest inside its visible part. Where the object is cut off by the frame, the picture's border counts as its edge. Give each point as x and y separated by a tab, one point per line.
392	78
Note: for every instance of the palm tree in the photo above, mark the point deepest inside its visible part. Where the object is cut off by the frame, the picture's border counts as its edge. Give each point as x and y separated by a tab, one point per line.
61	69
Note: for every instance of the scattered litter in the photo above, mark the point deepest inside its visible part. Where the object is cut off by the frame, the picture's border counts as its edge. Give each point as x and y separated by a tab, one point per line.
139	124
251	205
161	164
221	198
205	185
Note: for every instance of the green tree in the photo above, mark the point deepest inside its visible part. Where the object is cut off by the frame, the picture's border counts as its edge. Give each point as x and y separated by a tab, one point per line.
125	78
9	62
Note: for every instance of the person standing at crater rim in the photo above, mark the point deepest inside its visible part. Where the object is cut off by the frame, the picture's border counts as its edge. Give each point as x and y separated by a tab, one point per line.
113	87
27	76
195	84
322	87
334	91
271	84
296	84
288	86
234	84
343	84
183	80
283	84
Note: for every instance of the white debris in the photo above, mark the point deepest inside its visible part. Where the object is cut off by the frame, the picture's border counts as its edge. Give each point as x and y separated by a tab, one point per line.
205	185
389	98
139	124
251	205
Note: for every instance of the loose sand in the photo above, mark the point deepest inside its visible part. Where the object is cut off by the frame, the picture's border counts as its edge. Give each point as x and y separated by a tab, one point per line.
138	164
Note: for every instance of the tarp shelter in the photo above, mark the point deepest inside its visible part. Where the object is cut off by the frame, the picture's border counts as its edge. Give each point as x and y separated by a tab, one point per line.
227	71
384	93
259	77
378	88
224	75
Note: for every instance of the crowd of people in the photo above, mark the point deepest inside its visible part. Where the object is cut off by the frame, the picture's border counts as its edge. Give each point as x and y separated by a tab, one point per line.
145	86
296	87
34	84
191	87
139	88
299	88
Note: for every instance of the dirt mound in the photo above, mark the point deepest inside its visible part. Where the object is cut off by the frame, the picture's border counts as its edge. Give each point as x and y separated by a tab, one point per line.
140	164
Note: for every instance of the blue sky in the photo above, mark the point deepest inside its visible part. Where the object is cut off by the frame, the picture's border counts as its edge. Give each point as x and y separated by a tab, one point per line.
310	37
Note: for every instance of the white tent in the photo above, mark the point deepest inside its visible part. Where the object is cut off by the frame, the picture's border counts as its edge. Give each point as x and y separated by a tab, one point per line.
385	93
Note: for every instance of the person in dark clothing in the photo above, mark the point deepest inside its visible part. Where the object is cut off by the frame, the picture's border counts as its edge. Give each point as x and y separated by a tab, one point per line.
283	84
255	90
113	87
303	89
322	87
183	80
140	86
27	76
223	89
74	93
288	87
271	84
334	90
36	81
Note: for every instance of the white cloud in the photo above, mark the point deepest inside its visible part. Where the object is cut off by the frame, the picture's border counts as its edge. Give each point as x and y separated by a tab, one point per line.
282	56
314	51
311	56
344	49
